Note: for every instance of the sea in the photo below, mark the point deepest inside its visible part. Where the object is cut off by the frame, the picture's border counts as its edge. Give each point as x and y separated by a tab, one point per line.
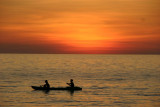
122	80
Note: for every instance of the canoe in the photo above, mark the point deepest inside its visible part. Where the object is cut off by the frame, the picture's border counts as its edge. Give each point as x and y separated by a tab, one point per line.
56	88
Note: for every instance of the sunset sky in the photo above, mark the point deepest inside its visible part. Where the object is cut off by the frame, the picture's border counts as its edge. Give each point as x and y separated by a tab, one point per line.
80	26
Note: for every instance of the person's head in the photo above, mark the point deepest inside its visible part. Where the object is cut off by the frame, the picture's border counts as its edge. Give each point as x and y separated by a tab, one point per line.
71	80
46	81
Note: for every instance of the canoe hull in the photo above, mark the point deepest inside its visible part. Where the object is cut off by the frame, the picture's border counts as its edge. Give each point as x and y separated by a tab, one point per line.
56	88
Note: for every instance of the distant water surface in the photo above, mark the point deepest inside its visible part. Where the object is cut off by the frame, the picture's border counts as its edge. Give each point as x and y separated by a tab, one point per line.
107	80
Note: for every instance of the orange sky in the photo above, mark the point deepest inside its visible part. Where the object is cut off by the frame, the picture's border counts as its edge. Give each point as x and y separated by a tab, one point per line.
80	26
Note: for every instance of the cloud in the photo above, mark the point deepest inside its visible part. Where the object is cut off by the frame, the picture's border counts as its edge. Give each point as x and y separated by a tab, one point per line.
34	48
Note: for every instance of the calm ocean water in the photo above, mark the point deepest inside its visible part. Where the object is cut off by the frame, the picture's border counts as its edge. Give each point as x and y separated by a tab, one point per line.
107	80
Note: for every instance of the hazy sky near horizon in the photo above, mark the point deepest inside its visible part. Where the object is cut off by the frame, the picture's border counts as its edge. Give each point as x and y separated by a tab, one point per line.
80	26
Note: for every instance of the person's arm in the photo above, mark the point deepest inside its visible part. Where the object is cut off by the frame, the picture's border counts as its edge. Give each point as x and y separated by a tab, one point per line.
68	84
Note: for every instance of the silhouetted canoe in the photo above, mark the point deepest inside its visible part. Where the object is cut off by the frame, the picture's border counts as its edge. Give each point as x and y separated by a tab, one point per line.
56	88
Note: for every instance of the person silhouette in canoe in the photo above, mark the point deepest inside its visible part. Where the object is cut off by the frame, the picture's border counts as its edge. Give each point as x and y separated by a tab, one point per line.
71	84
46	85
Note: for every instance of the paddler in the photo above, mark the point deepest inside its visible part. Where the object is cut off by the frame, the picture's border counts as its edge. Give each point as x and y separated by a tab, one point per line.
47	84
71	84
